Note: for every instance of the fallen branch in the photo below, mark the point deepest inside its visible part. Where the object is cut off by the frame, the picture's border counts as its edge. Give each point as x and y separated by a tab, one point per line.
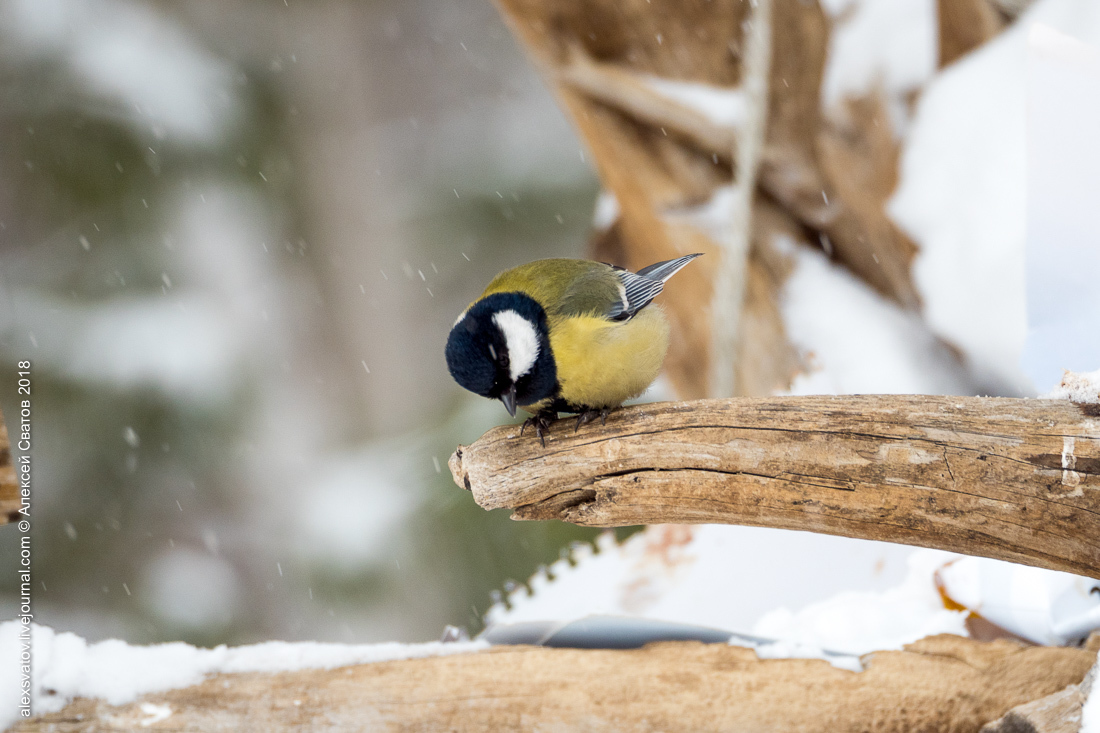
942	683
1010	479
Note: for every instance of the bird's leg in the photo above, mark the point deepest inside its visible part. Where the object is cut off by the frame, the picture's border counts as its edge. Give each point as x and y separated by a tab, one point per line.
589	415
541	423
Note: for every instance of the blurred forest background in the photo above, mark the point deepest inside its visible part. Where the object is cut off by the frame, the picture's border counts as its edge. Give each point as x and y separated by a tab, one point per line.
233	237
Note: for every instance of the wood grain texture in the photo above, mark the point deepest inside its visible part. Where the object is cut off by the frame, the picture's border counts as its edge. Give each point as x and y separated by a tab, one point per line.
1011	479
945	684
1056	713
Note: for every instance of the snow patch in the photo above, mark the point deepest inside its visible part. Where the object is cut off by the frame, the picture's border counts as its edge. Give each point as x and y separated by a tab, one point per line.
794	650
723	106
718	576
712	217
67	666
962	195
855	340
1062	260
607	211
1077	387
861	622
875	45
1090	711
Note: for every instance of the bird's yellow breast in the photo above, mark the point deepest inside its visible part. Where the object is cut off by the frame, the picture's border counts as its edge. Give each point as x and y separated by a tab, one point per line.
603	363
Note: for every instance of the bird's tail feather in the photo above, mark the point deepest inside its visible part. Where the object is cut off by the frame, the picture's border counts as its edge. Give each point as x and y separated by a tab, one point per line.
662	271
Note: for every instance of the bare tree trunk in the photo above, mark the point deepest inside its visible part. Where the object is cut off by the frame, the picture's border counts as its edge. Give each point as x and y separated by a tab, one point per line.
1011	479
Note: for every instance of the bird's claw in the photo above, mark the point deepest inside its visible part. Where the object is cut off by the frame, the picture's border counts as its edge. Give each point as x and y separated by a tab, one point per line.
589	415
541	423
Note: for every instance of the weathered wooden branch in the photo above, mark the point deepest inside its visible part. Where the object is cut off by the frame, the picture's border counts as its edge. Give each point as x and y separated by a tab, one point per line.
1057	713
1011	479
731	273
941	683
618	88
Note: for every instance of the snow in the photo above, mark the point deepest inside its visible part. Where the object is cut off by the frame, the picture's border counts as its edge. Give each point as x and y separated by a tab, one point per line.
1062	259
962	195
857	341
1090	711
1043	606
879	46
606	212
1078	387
743	579
723	106
794	650
712	216
119	673
858	622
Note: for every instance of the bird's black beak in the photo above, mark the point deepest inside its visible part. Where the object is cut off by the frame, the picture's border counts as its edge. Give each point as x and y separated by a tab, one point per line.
509	400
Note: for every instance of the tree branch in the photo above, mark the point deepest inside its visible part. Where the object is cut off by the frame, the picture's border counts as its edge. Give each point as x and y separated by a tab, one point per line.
1010	479
626	91
732	272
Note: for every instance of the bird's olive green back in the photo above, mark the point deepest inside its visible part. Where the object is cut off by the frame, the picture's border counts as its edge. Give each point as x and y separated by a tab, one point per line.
564	287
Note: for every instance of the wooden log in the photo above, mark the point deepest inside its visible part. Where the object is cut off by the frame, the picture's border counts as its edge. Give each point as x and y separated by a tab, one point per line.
942	683
1057	713
1011	479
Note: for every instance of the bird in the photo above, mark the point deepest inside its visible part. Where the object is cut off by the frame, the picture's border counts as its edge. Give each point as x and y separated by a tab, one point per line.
563	335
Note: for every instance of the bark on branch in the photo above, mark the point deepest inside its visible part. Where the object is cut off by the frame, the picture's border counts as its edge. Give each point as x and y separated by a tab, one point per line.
1010	479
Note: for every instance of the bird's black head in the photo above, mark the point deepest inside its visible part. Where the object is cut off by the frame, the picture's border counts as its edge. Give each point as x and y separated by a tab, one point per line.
500	349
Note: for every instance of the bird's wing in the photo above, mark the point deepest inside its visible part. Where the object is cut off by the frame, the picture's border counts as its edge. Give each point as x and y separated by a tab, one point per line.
594	291
580	287
640	288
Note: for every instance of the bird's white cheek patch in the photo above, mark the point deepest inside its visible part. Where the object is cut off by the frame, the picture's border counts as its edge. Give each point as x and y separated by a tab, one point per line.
522	339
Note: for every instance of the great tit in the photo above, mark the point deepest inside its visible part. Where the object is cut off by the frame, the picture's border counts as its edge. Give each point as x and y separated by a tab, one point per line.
563	335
